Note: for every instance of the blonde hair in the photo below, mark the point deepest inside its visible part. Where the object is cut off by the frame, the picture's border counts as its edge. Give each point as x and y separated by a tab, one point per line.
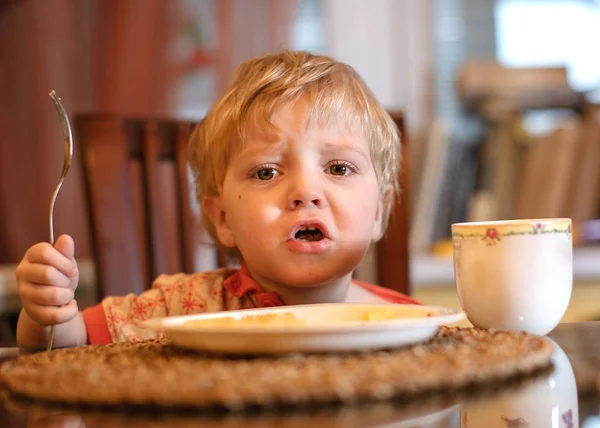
260	85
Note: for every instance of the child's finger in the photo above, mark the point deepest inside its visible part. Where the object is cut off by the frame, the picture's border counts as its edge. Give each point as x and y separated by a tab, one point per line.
66	246
50	315
46	254
36	273
46	295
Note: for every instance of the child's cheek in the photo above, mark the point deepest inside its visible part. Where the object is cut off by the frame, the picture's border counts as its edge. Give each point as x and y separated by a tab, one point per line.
270	213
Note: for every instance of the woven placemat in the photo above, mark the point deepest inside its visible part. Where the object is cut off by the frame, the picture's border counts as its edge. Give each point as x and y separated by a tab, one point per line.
158	374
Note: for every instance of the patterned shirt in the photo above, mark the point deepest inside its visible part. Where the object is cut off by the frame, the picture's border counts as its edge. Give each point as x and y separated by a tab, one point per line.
116	319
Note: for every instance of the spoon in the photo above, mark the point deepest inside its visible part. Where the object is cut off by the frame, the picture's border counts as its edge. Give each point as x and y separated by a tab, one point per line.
68	148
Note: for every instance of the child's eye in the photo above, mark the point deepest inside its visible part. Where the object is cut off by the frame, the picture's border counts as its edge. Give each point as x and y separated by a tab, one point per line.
266	173
340	169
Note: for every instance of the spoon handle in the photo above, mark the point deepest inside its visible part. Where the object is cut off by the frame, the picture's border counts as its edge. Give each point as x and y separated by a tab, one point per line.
51	337
68	155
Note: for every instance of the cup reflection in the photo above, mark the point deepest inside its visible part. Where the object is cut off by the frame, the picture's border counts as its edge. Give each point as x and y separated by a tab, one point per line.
548	402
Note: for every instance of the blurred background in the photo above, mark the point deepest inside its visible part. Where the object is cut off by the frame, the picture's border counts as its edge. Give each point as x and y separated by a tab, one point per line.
499	98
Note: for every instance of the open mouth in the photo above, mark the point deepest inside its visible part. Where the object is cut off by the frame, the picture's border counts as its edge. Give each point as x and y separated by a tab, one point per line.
309	234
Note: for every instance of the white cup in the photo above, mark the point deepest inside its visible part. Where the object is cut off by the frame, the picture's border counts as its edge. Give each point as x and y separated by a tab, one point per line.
514	274
550	401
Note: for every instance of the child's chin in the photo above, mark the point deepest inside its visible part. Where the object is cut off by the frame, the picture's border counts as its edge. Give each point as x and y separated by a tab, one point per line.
312	276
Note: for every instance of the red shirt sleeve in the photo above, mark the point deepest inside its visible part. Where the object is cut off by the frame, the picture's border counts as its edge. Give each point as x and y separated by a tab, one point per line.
388	294
96	326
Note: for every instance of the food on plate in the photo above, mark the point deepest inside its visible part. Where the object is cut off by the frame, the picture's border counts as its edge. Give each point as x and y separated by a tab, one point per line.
283	319
386	315
288	319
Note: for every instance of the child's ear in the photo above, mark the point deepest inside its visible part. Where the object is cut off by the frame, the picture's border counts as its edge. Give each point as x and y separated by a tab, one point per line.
384	201
213	208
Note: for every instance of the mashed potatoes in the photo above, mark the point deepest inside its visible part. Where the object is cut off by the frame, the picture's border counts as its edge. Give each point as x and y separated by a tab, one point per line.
288	319
390	314
380	315
285	319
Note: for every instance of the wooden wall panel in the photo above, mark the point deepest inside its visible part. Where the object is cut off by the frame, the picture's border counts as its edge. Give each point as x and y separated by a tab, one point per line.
99	55
36	55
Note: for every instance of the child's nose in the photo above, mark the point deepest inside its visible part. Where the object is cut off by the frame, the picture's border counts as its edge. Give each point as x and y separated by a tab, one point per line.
305	192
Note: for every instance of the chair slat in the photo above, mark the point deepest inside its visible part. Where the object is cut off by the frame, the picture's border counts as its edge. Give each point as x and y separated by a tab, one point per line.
188	230
162	198
392	249
108	175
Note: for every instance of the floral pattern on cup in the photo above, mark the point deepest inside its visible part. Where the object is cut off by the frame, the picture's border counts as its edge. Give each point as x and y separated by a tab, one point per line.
493	235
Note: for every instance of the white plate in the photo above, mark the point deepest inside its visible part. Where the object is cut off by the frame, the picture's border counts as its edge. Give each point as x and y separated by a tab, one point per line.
321	328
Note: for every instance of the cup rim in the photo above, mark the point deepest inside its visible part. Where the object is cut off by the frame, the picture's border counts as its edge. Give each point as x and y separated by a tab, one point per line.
514	222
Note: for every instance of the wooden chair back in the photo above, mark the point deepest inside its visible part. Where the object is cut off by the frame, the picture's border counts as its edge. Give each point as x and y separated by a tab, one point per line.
142	215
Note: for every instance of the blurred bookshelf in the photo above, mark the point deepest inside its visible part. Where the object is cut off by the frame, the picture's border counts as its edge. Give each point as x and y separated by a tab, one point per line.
533	152
516	127
537	155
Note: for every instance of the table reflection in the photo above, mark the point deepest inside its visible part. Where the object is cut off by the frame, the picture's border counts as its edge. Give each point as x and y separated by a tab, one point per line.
437	414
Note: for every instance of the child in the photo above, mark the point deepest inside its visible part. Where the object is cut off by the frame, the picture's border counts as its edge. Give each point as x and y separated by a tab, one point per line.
296	170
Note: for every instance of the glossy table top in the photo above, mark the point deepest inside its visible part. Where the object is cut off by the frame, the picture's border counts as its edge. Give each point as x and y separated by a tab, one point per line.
566	397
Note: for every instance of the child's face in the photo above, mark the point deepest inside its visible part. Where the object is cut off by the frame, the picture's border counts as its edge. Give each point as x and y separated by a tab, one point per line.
278	188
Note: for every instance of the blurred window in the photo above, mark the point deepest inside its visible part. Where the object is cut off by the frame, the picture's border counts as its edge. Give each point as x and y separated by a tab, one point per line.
307	29
551	33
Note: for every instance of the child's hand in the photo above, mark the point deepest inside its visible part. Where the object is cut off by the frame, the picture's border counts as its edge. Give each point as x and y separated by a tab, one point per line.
47	278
